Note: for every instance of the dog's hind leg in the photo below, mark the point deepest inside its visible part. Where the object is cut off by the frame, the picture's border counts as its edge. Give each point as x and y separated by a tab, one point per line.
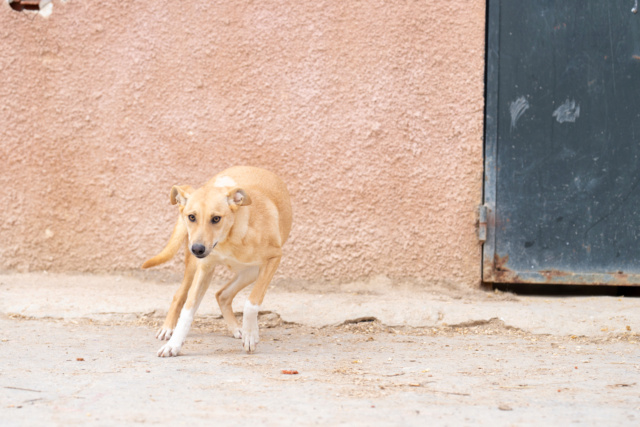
250	337
226	294
194	298
179	298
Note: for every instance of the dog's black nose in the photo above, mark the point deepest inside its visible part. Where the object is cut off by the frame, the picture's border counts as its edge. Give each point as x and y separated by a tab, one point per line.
198	249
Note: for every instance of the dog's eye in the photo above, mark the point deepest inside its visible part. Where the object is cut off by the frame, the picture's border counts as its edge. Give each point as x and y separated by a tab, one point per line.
192	218
215	219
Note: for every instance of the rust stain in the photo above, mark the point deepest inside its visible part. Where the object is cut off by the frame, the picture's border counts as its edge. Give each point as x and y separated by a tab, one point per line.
567	277
550	275
503	274
620	278
499	263
500	273
507	276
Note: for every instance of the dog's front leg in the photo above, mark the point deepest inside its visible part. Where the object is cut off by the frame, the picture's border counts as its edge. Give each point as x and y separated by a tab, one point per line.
250	336
179	298
200	284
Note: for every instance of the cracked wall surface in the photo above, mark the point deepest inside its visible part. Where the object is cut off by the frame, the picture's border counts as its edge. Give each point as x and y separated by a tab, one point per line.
371	111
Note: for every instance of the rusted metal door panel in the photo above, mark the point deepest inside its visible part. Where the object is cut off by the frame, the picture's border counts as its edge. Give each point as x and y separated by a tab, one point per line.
562	143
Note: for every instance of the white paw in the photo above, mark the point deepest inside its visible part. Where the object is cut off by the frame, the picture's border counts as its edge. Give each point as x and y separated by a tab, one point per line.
237	333
250	339
164	334
169	350
250	327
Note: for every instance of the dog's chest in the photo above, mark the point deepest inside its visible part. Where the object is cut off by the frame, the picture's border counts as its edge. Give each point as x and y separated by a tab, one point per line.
227	258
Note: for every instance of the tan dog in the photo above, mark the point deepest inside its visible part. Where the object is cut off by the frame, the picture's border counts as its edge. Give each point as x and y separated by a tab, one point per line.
240	218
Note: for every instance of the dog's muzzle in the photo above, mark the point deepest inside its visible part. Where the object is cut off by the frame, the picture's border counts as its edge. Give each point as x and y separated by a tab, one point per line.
198	250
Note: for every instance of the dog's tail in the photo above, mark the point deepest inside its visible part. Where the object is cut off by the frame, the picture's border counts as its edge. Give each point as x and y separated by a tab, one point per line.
178	236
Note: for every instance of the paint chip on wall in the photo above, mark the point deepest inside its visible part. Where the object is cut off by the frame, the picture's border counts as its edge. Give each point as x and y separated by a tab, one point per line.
43	8
517	109
567	112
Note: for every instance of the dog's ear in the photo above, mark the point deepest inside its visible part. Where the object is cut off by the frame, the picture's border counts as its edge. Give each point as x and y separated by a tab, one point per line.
180	194
238	197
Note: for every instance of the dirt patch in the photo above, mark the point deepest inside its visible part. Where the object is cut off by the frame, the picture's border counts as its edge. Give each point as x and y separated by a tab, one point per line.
79	371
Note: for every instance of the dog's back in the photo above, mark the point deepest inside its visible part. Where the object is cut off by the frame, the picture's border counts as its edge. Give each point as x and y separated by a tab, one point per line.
257	181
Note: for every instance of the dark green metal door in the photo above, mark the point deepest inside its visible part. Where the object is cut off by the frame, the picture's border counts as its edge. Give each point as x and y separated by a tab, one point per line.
562	143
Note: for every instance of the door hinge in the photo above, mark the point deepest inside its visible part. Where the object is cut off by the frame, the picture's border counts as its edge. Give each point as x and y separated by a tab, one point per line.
482	223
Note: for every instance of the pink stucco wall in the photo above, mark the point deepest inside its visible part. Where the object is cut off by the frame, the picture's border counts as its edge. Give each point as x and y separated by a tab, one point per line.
371	111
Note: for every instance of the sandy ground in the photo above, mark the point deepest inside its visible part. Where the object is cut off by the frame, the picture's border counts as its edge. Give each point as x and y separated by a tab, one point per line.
63	364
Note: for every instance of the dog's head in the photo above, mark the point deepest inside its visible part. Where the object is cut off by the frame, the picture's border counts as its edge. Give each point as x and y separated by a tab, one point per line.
208	213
